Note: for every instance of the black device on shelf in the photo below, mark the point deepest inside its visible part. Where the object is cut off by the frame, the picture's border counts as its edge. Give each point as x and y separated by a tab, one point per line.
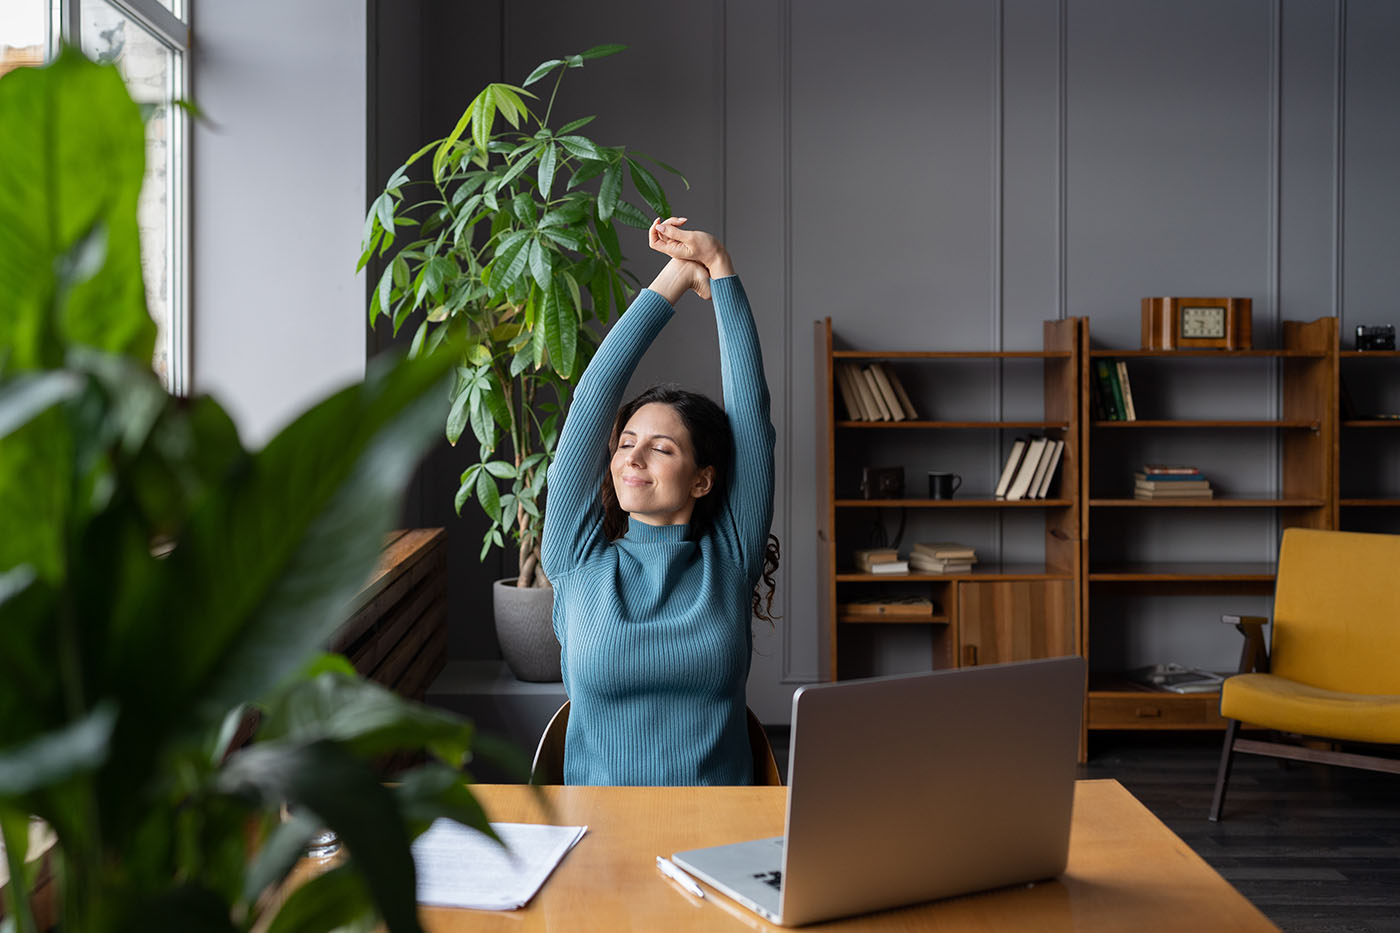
1378	337
881	482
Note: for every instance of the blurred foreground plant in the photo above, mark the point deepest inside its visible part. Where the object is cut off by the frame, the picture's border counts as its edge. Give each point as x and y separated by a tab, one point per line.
157	581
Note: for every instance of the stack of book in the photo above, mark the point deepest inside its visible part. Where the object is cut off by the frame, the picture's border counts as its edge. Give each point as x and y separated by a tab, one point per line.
873	393
1029	468
942	557
880	560
1159	481
1110	393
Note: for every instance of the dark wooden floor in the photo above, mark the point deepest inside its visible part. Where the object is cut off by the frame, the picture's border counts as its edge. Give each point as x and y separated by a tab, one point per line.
1316	849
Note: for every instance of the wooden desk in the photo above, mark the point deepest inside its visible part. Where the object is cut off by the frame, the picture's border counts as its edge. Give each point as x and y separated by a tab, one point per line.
1126	869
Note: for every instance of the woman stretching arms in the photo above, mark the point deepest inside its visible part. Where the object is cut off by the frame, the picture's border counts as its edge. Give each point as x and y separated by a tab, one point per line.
656	537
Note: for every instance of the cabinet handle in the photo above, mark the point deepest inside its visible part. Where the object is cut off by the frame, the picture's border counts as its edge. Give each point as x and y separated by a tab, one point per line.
969	655
1148	712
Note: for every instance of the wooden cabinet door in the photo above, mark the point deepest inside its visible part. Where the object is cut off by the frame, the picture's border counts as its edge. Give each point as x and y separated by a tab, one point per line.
1015	621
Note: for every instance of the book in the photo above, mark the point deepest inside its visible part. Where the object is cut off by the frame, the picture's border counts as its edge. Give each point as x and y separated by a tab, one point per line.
1033	491
1178	679
867	400
1111	400
1123	384
850	398
944	550
882	382
1096	410
868	557
1008	472
1054	458
894	566
909	410
873	394
1169	469
1171	484
1173	494
1120	408
931	565
1169	477
893	608
1026	472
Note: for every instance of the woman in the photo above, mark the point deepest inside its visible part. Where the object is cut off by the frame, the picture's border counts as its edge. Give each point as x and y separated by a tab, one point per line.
655	572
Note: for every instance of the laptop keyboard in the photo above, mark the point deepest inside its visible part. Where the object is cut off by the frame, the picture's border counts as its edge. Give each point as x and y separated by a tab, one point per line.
774	879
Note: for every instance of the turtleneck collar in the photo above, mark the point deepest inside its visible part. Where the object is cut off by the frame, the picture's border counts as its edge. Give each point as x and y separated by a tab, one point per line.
643	533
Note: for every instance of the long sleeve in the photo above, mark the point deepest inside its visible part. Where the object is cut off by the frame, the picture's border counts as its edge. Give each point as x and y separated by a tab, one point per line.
573	524
747	514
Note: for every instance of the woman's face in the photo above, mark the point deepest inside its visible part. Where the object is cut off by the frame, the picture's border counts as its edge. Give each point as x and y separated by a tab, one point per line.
653	470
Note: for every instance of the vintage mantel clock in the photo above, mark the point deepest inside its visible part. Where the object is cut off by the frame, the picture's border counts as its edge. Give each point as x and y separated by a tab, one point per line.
1196	323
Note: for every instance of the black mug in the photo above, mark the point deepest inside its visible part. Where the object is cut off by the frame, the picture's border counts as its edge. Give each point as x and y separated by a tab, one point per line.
943	485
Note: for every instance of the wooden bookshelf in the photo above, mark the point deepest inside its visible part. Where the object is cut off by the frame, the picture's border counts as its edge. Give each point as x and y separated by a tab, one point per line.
977	605
1367	453
1305	437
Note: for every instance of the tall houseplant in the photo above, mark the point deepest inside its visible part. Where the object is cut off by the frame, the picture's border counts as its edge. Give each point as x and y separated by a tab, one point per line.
157	580
516	252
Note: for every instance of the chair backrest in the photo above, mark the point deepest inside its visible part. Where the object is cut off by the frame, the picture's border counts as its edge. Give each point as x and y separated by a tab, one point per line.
1337	611
548	767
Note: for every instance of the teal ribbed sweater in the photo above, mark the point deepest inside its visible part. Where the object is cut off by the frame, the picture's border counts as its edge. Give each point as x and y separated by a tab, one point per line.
655	626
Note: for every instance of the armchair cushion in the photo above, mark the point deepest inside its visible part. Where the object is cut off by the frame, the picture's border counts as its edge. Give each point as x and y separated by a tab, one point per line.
1289	706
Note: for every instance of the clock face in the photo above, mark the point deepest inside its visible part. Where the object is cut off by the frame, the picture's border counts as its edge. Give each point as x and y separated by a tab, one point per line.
1202	323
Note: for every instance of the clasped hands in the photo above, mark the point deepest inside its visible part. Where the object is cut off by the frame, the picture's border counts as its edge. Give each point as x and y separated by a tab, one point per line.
696	256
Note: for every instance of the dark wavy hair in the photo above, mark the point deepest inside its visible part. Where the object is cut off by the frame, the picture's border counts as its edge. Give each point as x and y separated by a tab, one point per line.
713	443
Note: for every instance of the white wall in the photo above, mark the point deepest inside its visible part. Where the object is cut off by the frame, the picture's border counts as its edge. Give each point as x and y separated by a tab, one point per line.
278	199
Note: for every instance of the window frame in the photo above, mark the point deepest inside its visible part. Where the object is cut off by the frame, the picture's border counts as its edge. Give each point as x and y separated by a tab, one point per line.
174	31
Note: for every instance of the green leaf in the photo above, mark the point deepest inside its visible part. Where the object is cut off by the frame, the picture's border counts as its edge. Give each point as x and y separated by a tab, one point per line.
631	216
54	757
483	115
488	495
541	263
328	901
607	235
542	69
561	328
546	172
416	347
609	191
649	189
581	146
599	51
71	162
457	417
668	168
520	165
501	469
576	124
347	796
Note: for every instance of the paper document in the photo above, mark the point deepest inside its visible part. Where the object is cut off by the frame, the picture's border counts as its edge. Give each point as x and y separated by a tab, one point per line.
459	867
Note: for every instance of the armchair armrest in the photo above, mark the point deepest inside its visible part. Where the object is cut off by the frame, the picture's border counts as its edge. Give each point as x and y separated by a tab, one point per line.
1255	656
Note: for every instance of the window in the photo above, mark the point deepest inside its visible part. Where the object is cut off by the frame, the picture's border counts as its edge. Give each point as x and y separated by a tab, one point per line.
147	40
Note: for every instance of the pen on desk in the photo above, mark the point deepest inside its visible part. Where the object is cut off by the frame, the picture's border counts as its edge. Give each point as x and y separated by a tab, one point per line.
679	877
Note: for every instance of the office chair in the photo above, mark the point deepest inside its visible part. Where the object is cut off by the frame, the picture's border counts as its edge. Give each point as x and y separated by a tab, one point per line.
549	755
1333	673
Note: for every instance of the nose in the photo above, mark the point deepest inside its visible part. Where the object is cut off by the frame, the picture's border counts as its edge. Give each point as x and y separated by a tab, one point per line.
633	456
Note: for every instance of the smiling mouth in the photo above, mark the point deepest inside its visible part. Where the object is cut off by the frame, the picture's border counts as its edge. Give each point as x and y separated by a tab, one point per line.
635	481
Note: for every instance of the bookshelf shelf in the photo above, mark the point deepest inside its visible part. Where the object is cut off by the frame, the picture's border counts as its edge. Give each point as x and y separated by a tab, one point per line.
951	355
1265	354
1372	423
1183	572
1310	425
989	573
1219	502
843	619
1370	354
1369	503
945	425
982	503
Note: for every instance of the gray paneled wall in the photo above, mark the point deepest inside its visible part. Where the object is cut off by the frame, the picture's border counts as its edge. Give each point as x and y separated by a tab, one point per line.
949	174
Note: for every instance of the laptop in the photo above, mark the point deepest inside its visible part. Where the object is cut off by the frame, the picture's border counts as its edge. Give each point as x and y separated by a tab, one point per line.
913	788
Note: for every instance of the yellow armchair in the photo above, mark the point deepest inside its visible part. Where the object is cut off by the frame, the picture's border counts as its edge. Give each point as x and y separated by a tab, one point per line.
1334	668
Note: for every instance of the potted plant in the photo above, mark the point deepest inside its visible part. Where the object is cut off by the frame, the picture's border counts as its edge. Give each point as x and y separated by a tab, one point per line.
515	252
157	580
